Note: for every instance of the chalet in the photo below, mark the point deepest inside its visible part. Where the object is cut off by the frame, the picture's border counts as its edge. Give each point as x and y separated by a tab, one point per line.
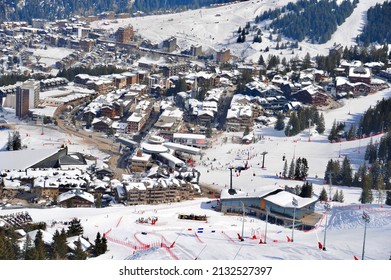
46	189
359	74
289	88
375	67
119	127
311	94
102	124
239	117
108	111
358	88
154	191
136	193
76	198
205	117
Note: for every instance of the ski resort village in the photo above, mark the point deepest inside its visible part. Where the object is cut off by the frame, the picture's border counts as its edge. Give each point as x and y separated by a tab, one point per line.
199	134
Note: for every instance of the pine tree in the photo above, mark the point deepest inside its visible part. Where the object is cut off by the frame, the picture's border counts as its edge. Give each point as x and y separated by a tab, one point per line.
75	228
6	247
366	194
323	195
98	202
336	196
379	185
79	253
333	132
280	122
291	173
297	168
261	61
307	61
320	127
97	246
29	250
285	170
351	133
104	244
304	168
9	142
341	197
16	141
329	168
346	172
371	152
40	246
59	245
14	250
306	190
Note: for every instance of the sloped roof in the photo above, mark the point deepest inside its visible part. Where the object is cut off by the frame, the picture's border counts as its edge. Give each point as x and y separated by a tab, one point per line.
23	159
77	192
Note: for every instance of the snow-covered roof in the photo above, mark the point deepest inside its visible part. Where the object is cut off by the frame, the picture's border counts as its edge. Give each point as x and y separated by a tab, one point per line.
284	199
24	159
143	157
242	194
73	193
153	148
135	185
136	117
47	111
238	111
359	72
47	237
71	242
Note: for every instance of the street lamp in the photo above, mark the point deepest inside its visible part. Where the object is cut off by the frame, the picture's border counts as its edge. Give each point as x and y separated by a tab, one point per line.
267	221
242	239
366	219
327	208
309	130
295	204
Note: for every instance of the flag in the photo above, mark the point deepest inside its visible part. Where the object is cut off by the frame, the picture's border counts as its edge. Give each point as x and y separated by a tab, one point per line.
355	258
